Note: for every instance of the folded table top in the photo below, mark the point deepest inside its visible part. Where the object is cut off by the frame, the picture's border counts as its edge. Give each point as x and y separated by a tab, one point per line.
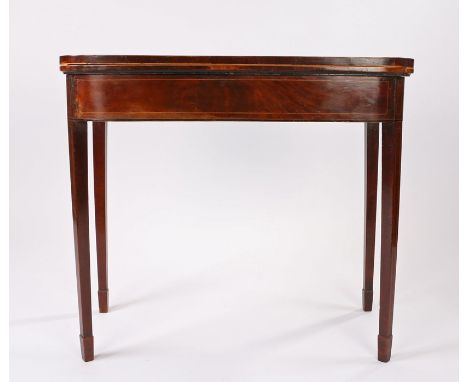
236	65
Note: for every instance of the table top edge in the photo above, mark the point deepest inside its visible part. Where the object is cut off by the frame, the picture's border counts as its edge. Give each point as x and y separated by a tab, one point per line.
397	66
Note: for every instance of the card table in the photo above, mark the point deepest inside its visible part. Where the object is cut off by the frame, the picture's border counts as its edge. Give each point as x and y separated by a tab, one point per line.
101	89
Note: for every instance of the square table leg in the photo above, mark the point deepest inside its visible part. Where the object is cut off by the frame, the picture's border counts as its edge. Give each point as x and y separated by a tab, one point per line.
391	165
371	147
77	141
100	172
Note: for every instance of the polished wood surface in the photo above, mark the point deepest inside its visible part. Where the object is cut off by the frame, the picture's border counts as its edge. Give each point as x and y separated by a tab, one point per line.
391	164
298	98
370	201
100	215
77	138
236	65
335	89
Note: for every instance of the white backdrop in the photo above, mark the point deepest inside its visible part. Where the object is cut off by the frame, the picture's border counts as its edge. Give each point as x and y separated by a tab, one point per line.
235	249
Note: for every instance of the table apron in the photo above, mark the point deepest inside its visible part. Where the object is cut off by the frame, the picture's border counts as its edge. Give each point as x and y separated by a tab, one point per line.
254	98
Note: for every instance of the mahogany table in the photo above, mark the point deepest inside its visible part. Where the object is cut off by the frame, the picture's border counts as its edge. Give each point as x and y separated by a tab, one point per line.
305	89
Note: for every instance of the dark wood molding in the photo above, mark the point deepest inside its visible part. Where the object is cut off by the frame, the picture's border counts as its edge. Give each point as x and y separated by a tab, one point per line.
262	65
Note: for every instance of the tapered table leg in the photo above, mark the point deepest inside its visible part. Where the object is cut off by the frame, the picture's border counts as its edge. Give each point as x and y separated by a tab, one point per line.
371	148
77	140
391	163
99	160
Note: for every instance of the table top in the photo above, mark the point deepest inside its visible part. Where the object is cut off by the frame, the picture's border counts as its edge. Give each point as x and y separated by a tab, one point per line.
252	65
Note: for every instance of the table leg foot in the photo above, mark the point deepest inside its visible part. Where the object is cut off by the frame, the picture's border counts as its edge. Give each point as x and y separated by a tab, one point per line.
367	297
384	344
87	348
103	296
